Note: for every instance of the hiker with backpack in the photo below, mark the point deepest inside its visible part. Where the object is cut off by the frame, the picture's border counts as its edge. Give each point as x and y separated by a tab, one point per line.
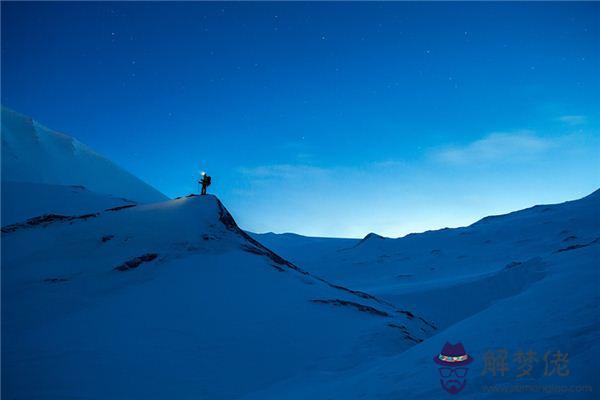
205	181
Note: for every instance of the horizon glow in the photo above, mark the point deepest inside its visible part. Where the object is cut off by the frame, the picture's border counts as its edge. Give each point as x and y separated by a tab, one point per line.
323	119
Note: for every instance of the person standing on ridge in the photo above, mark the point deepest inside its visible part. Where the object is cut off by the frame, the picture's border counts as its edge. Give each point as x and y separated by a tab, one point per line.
205	181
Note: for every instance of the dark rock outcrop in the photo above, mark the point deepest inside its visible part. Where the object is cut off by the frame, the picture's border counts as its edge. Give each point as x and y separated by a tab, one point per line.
45	220
279	263
120	207
56	280
512	264
358	306
578	246
253	246
107	238
136	262
406	333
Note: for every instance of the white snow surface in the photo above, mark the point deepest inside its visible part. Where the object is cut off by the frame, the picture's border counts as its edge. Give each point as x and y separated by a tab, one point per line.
528	280
24	200
110	292
36	154
215	315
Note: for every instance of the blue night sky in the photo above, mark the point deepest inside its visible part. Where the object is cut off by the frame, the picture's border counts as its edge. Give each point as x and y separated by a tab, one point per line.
329	119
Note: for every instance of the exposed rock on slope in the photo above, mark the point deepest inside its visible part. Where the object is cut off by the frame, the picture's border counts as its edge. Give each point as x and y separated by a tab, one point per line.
175	291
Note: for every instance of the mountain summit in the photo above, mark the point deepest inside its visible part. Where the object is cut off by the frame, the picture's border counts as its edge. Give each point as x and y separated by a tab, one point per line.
174	300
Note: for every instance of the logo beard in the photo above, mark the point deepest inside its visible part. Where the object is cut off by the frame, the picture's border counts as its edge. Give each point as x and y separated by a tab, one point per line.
453	386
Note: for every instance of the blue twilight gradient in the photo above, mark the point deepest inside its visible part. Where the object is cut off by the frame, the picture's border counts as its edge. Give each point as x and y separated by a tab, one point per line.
323	118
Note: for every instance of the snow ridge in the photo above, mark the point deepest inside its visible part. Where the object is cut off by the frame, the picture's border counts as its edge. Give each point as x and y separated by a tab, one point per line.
35	154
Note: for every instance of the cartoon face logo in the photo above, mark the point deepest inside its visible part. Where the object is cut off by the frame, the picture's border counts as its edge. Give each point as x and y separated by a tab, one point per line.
453	360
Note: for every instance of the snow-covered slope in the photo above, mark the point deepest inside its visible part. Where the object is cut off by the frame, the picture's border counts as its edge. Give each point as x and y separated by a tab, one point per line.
307	250
103	297
173	300
35	154
487	246
24	200
528	280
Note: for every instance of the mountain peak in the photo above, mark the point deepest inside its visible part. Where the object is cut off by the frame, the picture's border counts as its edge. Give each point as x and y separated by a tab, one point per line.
370	236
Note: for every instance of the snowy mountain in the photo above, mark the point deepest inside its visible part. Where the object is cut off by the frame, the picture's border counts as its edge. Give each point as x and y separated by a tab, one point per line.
104	297
524	281
173	300
35	154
